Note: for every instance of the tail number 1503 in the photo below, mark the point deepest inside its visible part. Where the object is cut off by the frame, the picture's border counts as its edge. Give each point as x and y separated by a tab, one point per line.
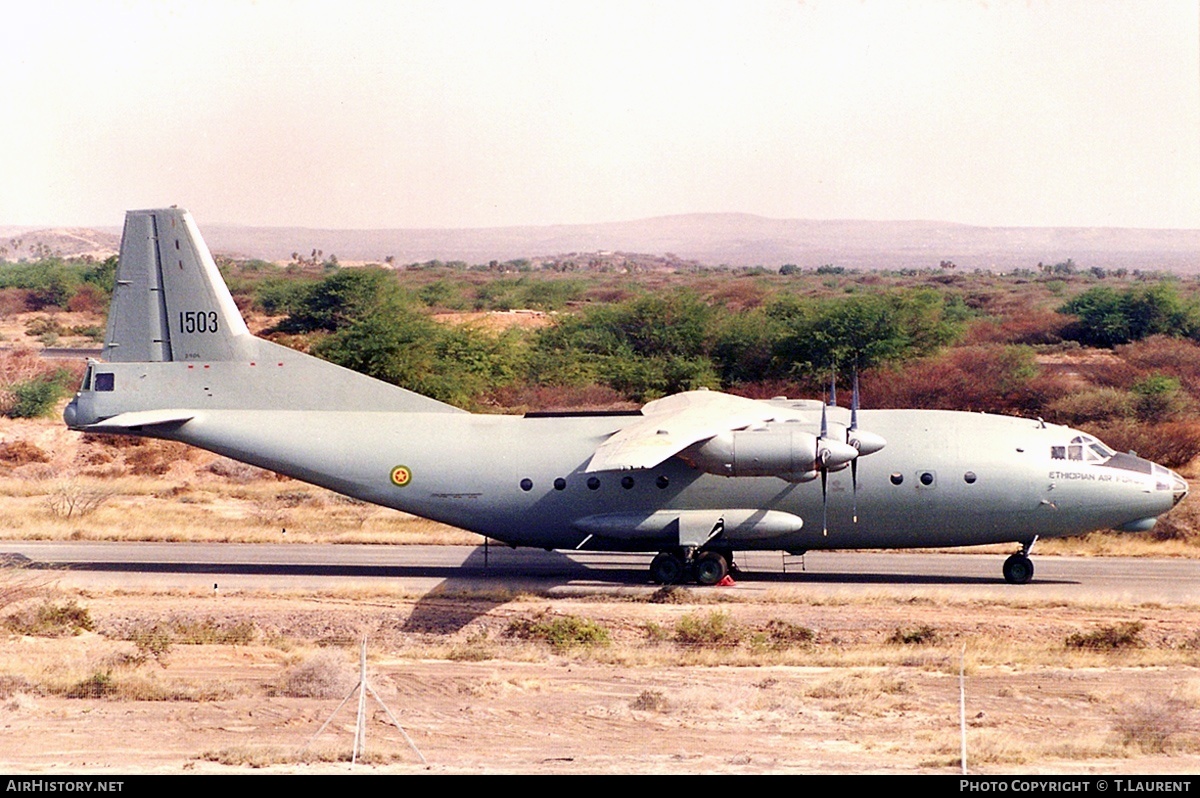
197	321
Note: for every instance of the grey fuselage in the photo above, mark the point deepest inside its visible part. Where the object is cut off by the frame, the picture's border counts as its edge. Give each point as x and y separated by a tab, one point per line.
944	479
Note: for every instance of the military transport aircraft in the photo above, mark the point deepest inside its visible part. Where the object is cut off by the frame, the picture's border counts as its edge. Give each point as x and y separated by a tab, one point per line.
694	476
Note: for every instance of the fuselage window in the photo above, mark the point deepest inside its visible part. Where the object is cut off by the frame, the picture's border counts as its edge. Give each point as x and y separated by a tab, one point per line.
896	478
593	483
560	484
969	477
626	482
527	485
1058	452
662	481
105	381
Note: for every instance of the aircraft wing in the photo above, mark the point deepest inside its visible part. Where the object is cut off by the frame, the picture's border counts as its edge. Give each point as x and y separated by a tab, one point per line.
673	423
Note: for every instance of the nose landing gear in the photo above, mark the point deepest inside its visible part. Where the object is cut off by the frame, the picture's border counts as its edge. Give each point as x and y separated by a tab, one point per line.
1018	569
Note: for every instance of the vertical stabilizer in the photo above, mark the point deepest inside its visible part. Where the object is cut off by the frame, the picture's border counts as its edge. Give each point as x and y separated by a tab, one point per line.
170	303
176	342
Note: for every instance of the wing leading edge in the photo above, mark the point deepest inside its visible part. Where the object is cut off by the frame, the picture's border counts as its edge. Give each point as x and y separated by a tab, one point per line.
673	423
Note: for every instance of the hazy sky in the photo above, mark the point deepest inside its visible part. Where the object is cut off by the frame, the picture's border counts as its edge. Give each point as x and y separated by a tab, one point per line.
463	114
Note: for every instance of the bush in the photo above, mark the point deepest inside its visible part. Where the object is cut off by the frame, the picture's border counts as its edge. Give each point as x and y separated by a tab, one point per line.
1161	354
649	701
1108	638
51	619
151	642
1151	723
924	635
780	635
1094	405
993	379
714	629
1158	398
1173	444
37	397
100	684
561	632
1108	318
323	675
71	499
861	331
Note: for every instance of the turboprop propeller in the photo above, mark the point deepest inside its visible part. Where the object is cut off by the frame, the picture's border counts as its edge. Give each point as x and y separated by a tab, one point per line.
858	442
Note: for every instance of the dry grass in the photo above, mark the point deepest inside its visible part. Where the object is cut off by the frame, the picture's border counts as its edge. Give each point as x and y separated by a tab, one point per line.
845	676
132	509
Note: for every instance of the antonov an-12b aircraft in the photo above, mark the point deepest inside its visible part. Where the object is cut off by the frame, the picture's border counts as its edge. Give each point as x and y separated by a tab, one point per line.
694	476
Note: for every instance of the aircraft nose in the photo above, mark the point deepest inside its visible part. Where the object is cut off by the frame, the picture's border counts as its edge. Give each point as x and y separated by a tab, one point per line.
1179	486
71	414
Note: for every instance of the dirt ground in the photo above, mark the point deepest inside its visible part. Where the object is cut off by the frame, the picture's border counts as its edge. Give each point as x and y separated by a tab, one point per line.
474	698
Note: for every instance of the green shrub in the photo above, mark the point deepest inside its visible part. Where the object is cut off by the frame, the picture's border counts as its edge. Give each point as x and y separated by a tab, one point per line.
36	397
51	619
561	632
1092	405
713	629
1108	317
1158	398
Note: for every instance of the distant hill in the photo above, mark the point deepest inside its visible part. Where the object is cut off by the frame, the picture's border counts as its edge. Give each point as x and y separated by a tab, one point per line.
68	242
712	239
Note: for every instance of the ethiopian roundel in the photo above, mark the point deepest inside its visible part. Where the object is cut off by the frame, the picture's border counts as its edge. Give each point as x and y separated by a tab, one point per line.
401	476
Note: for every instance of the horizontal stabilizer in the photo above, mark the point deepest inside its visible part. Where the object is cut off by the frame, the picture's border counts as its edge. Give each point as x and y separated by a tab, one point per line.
140	419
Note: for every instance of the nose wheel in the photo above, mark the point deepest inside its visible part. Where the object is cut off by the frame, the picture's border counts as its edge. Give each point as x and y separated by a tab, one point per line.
1018	569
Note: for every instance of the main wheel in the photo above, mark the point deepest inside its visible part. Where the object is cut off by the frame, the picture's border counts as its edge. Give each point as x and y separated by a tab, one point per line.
667	568
710	567
1018	570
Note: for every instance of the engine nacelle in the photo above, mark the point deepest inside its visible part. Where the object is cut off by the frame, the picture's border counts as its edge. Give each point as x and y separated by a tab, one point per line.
778	451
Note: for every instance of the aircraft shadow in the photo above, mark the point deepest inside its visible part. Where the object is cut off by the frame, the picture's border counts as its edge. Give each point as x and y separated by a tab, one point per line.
462	597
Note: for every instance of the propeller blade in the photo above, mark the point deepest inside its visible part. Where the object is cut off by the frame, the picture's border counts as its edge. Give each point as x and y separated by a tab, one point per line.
852	440
854	403
833	388
824	502
854	486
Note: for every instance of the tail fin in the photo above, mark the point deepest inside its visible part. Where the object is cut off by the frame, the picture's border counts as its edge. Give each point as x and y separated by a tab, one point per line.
170	303
176	345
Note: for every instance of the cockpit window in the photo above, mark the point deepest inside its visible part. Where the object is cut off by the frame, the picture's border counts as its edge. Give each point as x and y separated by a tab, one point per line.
1083	448
104	381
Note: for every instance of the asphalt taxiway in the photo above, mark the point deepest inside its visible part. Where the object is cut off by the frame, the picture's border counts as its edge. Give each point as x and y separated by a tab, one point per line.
276	567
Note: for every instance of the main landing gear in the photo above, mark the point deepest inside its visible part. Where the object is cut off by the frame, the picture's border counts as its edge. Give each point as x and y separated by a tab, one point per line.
705	567
1018	569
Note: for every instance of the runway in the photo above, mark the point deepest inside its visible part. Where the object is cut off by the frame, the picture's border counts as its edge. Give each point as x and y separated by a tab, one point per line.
282	567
